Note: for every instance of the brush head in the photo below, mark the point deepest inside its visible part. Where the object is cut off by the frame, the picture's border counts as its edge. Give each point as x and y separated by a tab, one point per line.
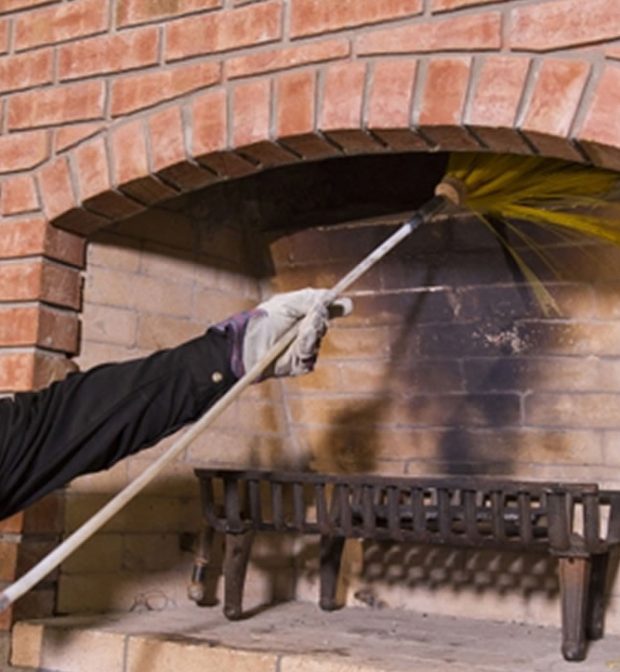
567	199
543	191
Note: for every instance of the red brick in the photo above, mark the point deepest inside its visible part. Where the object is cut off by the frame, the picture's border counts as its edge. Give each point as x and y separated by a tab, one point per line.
563	23
149	190
60	285
20	151
209	123
495	102
39	325
213	33
58	330
444	92
40	280
65	22
613	52
13	524
16	373
137	92
251	112
92	171
269	154
391	94
296	103
57	105
600	133
56	188
65	246
166	138
68	136
228	164
442	103
448	5
547	123
26	70
113	204
19	326
130	12
281	59
12	5
129	158
4	37
35	236
469	32
109	54
309	17
82	222
341	113
18	195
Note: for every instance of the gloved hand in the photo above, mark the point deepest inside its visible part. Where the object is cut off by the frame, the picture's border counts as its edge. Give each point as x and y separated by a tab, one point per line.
257	330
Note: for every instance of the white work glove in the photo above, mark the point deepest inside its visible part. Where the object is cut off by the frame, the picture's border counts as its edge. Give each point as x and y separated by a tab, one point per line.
276	316
257	330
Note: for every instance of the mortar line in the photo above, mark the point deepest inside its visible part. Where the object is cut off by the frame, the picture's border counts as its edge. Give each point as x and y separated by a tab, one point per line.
583	107
111	18
125	653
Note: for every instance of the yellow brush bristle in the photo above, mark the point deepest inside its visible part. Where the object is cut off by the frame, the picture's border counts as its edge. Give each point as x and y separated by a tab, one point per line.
569	197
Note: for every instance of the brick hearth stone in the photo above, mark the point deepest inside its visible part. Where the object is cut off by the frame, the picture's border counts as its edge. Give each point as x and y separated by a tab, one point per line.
295	637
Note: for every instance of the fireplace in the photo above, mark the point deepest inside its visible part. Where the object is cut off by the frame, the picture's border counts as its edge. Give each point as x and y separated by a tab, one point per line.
207	154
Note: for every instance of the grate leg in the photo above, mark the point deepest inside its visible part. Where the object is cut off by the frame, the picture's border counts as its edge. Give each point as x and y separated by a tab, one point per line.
237	554
574	583
202	559
596	604
331	557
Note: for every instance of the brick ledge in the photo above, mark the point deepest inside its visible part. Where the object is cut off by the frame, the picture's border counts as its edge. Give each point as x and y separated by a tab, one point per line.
293	637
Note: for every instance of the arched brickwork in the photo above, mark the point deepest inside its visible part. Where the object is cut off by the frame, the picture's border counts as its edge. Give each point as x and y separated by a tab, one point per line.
110	106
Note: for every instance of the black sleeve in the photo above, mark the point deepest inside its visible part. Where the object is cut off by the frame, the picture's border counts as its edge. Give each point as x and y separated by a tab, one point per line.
90	420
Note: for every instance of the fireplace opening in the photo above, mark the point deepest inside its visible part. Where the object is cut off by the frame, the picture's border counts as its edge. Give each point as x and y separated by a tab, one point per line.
446	367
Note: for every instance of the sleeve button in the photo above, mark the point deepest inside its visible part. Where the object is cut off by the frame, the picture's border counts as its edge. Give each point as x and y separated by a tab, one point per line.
217	377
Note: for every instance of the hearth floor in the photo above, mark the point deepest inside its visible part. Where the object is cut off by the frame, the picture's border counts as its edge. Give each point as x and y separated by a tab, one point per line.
295	637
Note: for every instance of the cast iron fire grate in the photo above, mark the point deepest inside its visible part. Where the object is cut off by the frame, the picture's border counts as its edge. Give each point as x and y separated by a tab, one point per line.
577	523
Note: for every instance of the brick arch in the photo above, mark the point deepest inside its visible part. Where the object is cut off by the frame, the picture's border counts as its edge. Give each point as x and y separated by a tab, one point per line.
389	105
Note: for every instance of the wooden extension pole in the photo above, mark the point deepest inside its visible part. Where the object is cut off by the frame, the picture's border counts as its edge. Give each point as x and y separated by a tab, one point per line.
96	522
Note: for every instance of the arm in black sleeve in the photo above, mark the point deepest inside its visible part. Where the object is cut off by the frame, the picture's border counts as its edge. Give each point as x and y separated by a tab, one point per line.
90	420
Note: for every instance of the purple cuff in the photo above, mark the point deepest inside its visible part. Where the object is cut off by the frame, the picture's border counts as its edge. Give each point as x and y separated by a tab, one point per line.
235	327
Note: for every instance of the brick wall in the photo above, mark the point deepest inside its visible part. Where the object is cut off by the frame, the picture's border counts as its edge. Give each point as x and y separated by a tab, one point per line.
448	366
111	106
453	360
